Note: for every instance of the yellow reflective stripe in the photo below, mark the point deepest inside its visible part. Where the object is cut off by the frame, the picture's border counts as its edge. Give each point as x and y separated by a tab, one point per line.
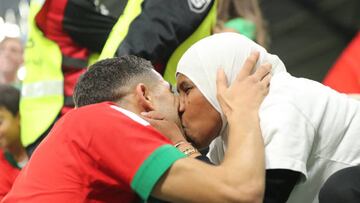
202	31
93	58
44	88
121	28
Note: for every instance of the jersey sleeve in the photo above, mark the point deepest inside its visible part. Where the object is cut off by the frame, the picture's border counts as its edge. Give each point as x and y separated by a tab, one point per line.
130	152
288	137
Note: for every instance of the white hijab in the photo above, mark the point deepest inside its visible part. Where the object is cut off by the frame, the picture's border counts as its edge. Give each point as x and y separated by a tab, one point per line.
228	51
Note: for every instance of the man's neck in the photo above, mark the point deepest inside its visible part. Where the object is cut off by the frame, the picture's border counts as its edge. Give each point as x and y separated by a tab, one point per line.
129	104
18	152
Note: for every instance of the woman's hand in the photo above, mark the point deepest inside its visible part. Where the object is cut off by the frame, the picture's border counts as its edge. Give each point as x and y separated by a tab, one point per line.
247	92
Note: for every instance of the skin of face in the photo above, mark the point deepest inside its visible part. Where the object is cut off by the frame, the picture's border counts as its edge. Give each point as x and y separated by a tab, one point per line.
200	120
11	55
9	129
164	100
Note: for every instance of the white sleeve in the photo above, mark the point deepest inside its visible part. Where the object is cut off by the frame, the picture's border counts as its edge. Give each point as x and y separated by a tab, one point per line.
288	137
216	151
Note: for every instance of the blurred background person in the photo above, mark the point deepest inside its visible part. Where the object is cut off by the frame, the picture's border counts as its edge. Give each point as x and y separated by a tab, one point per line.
244	17
13	29
12	154
11	59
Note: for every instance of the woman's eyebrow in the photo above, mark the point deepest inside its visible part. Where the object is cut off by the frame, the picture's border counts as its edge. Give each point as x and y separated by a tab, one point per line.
180	86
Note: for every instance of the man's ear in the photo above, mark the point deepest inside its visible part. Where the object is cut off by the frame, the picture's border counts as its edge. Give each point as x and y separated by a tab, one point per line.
143	95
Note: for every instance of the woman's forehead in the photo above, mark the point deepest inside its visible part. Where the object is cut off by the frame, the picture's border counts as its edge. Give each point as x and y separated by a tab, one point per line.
182	79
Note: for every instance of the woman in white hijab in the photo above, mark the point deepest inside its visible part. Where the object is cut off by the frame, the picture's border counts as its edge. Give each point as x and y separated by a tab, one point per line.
308	129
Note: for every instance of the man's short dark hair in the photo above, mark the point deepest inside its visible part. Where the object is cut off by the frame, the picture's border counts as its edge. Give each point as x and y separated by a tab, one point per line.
109	79
9	98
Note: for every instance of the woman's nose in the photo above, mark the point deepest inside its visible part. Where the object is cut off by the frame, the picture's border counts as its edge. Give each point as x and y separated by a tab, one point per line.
181	105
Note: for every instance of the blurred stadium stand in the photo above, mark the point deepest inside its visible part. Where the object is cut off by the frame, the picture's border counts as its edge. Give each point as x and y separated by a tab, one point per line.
308	35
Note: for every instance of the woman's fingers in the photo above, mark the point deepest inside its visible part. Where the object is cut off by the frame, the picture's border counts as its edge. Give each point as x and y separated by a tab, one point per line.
264	70
248	66
266	80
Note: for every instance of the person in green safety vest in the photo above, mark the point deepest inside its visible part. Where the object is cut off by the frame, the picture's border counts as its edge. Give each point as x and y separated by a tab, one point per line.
244	17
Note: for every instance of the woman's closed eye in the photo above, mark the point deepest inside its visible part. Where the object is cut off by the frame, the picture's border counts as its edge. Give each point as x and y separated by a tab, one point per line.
187	89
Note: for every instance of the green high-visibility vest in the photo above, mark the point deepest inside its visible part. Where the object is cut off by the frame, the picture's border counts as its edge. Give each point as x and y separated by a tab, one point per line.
42	95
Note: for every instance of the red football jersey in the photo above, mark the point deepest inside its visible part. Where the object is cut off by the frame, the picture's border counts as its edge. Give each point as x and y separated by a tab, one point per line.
96	153
8	174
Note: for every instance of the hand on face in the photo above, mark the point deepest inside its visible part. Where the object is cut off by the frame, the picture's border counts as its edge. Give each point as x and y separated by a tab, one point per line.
167	127
164	113
247	92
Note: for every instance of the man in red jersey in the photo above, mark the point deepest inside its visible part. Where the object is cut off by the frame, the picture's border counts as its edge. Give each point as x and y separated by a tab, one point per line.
104	151
66	35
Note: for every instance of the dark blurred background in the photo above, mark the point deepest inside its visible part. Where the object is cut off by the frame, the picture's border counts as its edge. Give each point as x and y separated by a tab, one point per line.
308	35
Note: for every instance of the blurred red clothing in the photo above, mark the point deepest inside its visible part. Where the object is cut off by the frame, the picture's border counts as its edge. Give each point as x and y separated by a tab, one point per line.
344	76
8	174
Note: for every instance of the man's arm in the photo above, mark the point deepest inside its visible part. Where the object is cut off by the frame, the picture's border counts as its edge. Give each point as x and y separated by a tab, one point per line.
240	178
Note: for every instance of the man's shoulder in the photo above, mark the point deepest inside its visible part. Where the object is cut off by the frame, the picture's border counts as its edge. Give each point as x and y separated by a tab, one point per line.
108	112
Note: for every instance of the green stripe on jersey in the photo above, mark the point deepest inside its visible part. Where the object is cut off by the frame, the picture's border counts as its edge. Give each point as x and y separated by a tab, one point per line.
153	168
